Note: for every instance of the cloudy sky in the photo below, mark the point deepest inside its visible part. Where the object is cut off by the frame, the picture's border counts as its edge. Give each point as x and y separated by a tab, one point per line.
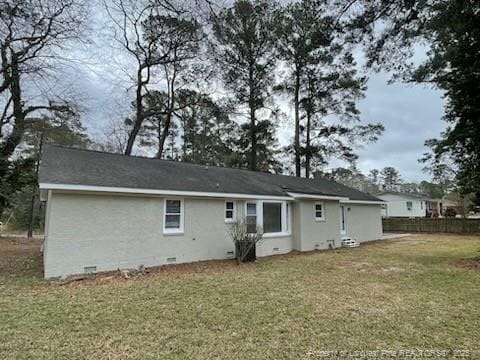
410	114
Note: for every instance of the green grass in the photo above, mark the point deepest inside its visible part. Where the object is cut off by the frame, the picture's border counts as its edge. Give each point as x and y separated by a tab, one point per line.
391	295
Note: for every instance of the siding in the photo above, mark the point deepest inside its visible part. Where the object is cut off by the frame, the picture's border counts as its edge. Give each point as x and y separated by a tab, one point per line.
114	231
364	222
397	206
312	234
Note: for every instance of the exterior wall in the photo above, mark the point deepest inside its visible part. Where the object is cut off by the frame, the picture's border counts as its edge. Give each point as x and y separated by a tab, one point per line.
397	206
116	231
312	234
119	232
363	222
111	232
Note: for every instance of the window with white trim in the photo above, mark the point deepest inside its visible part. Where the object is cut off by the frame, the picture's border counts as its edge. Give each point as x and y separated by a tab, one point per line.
173	216
272	217
287	216
251	217
230	211
319	211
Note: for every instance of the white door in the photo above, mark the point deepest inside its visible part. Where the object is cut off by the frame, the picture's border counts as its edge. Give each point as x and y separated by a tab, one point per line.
343	224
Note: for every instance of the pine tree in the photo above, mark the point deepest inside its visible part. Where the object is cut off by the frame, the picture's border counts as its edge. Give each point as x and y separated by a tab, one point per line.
324	85
243	48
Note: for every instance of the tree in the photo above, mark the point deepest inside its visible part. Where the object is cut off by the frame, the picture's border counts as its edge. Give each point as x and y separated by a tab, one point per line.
390	178
450	31
351	177
207	131
160	37
301	29
266	148
323	82
452	66
60	128
373	176
243	47
434	191
33	34
331	127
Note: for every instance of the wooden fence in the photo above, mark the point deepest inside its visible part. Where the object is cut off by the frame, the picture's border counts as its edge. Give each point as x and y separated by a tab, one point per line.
445	225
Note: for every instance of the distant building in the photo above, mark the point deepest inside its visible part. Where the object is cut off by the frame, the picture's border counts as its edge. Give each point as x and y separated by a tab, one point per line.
399	204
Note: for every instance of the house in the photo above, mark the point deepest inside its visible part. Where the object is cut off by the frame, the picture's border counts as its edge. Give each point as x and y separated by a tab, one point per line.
399	204
106	212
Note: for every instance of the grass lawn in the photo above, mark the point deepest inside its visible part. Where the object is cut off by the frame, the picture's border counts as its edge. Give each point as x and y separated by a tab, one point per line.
413	293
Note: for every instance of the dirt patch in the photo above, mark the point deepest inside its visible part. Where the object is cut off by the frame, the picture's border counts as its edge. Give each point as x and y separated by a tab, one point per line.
470	264
12	249
158	272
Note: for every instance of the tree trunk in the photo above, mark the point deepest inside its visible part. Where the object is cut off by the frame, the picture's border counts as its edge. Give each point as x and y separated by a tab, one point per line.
137	124
297	121
31	220
163	138
19	127
169	114
308	154
252	165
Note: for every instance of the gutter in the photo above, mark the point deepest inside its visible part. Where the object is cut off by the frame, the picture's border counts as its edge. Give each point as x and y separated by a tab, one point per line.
123	190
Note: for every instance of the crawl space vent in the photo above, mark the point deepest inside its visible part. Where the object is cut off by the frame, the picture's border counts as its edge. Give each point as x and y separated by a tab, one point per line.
172	260
317	246
276	249
230	253
89	269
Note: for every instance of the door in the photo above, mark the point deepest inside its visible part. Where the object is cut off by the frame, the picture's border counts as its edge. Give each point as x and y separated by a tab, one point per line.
343	225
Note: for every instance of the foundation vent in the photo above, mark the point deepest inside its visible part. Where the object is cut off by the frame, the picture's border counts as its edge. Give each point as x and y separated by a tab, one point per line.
317	246
171	260
276	249
230	253
89	269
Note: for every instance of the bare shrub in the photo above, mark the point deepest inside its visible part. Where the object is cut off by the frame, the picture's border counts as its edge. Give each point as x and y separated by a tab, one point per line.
244	240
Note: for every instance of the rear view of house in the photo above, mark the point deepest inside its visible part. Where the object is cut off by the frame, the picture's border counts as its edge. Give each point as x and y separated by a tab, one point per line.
106	212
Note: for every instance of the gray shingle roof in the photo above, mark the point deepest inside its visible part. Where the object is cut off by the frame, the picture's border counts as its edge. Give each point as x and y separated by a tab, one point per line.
70	166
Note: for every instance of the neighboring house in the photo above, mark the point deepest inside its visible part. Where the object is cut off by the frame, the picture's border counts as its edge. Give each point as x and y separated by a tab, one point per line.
405	205
107	212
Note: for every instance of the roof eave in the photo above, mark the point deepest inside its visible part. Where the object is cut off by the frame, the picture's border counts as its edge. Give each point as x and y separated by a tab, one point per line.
158	192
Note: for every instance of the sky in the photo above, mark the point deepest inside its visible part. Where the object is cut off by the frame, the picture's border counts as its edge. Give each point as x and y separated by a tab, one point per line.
410	114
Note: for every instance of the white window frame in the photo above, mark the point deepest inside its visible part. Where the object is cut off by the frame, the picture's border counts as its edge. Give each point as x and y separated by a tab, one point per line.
234	212
286	218
322	204
170	231
256	203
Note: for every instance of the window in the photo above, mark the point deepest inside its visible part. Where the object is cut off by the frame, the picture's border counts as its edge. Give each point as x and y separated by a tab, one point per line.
287	223
173	219
251	218
272	217
319	212
230	211
409	205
